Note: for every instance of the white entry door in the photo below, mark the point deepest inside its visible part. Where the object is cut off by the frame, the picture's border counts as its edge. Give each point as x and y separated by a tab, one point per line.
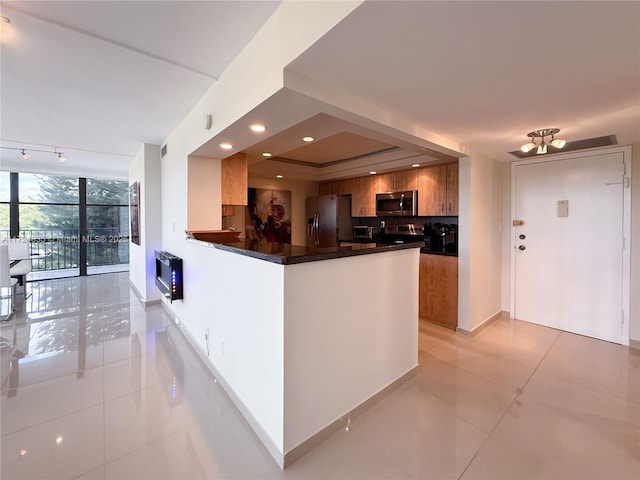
568	265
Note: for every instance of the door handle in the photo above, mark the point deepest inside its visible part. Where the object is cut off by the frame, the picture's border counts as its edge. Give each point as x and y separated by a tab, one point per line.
522	247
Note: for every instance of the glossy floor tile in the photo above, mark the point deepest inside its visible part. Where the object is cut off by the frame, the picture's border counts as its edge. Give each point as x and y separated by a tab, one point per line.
95	386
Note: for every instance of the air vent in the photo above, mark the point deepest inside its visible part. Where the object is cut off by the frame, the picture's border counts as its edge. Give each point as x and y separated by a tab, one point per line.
605	141
163	151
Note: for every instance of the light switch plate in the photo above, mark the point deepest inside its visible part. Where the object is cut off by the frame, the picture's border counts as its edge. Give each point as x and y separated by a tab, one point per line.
563	208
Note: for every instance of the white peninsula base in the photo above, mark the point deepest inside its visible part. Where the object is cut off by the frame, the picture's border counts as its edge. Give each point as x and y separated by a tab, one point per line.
300	346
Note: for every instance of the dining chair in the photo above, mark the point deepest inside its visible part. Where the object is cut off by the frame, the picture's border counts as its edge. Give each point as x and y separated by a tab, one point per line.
7	283
20	252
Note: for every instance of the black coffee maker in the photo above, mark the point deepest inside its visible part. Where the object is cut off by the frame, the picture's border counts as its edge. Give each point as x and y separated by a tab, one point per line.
441	237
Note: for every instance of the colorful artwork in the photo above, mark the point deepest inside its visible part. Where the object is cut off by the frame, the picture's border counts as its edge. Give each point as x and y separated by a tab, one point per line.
270	213
134	211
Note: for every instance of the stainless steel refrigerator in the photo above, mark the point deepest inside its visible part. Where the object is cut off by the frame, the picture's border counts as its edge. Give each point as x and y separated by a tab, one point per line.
328	220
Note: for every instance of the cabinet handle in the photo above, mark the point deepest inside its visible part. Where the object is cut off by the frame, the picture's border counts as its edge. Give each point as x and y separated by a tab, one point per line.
443	210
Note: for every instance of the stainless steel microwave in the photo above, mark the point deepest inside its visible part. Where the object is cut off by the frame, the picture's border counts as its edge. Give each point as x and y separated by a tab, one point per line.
397	203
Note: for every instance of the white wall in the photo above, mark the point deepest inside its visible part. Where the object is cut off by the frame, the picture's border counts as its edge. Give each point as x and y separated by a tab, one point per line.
239	327
351	329
203	193
479	242
145	168
253	77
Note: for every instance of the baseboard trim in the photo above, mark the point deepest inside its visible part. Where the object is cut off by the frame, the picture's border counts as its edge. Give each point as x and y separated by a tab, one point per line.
273	450
305	447
482	326
288	458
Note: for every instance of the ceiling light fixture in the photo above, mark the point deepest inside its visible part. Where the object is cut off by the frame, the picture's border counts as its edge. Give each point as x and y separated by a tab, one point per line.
226	146
24	152
542	146
415	165
258	128
372	173
279	176
308	139
267	154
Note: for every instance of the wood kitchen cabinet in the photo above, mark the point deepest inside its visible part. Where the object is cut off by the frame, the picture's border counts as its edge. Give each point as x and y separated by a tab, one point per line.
328	188
438	190
366	203
234	183
452	188
438	289
398	181
363	195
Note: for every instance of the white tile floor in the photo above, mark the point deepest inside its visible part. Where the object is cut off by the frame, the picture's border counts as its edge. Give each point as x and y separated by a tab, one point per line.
94	386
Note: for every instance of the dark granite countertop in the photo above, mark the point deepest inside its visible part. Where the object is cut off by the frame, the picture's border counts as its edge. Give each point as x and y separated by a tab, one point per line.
433	252
287	254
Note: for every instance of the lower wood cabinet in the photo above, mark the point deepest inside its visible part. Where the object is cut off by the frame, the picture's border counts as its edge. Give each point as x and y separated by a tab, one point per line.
439	289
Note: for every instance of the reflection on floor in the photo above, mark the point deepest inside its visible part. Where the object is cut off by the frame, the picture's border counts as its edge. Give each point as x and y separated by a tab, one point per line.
94	386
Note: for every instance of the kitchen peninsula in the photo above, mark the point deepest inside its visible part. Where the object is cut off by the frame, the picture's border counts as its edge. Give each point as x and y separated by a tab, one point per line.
302	336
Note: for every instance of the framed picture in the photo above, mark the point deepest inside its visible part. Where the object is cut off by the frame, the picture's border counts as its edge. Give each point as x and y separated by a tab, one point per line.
270	214
134	211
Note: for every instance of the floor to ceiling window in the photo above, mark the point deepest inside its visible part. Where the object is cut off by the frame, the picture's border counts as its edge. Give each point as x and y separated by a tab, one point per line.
48	215
75	226
107	225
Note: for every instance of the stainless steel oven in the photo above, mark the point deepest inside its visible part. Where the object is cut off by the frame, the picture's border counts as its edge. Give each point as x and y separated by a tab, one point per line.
397	203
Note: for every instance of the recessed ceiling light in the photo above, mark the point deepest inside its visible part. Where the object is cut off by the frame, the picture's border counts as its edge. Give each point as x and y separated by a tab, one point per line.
279	176
415	165
258	128
267	154
372	173
226	146
308	139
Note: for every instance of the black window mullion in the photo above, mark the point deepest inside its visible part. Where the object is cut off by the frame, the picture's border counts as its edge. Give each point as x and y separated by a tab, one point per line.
83	225
14	210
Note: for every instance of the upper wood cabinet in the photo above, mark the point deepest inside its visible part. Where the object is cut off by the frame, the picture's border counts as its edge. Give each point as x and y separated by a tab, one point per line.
328	188
234	183
452	188
438	190
397	181
432	190
365	203
363	195
406	180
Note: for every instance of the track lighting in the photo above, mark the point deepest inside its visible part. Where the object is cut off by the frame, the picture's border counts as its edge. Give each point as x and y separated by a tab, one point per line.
24	152
542	147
